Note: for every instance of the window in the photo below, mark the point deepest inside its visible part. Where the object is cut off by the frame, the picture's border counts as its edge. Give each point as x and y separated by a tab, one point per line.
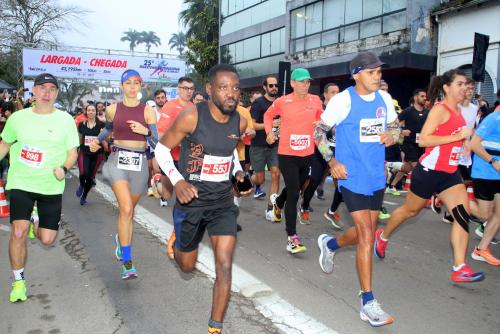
265	45
394	22
298	22
353	11
372	8
314	18
370	28
393	5
333	13
251	48
276	42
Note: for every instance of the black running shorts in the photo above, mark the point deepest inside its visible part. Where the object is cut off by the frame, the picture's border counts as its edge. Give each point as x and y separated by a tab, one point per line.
190	225
357	202
49	208
486	189
425	182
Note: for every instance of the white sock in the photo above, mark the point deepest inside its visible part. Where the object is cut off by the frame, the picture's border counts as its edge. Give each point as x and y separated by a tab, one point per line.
458	267
18	274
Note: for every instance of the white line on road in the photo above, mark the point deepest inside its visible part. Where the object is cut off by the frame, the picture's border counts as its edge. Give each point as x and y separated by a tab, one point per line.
284	315
4	228
390	203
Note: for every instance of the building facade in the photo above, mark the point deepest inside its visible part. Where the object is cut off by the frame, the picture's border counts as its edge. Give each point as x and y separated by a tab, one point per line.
457	23
324	35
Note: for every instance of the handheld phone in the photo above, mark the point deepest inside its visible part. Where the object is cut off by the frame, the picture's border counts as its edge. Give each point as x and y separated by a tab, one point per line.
244	186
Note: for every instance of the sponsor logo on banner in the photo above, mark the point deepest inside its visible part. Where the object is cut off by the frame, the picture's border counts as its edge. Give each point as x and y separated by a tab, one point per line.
97	66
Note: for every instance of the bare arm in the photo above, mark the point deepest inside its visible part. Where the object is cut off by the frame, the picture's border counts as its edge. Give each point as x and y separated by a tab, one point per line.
4	149
437	116
476	146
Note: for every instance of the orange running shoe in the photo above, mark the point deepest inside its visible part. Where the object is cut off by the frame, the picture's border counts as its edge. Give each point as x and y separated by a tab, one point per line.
486	256
170	246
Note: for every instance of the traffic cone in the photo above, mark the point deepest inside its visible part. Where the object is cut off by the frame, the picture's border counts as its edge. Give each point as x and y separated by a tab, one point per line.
408	181
4	208
470	194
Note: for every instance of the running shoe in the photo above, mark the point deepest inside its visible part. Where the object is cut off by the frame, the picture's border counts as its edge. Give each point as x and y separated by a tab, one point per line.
83	200
485	256
34	215
154	185
393	191
325	254
150	192
379	245
435	205
304	217
163	202
212	330
466	275
259	193
320	194
276	209
270	215
447	218
334	219
118	251
128	271
18	291
294	245
79	191
170	246
373	313
480	229
383	214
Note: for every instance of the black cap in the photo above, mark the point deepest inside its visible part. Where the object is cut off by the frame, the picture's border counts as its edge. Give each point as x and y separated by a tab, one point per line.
46	78
364	60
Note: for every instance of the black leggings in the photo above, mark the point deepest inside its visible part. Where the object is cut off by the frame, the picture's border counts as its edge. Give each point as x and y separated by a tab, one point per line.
88	165
318	168
295	171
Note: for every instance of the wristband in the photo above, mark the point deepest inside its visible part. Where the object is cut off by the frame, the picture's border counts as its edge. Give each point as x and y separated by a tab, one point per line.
149	133
492	161
64	169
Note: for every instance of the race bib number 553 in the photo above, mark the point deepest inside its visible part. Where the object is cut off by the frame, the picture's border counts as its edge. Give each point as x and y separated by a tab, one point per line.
31	156
215	169
369	128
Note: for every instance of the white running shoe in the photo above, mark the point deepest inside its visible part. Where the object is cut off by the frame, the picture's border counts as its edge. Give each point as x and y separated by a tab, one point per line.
163	202
373	313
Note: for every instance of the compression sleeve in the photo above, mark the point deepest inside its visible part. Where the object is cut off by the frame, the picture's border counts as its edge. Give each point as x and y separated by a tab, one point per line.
108	128
166	163
236	161
321	140
153	139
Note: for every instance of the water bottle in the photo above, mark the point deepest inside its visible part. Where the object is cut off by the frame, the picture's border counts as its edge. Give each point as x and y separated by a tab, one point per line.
276	129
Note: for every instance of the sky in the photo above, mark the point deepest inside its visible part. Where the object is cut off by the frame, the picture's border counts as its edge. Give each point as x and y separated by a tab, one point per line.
104	26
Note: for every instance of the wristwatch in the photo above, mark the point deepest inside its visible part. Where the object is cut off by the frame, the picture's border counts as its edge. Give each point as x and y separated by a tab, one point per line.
64	169
492	161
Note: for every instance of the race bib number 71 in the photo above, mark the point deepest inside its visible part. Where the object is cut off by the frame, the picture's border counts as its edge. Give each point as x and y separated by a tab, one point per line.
31	156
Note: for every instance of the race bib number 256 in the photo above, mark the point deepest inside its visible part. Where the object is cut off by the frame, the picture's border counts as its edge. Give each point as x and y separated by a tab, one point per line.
369	129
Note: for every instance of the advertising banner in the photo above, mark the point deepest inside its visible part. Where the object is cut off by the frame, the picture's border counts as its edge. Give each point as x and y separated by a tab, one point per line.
98	66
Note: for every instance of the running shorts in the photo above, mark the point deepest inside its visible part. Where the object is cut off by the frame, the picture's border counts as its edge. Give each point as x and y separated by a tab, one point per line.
49	208
425	182
128	165
260	156
190	225
357	202
486	189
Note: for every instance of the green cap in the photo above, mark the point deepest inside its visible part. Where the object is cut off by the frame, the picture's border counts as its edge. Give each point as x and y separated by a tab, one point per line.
300	74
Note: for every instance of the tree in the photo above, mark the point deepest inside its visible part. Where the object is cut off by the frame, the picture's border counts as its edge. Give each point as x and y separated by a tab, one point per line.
71	93
201	17
178	42
150	38
133	37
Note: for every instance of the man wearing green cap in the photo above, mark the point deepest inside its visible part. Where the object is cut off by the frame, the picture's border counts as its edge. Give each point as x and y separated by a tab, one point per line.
299	111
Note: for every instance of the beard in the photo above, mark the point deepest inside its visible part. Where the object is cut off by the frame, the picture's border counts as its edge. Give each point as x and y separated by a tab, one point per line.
272	93
225	111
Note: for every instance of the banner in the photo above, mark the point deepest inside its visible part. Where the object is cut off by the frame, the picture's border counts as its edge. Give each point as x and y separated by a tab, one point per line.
98	66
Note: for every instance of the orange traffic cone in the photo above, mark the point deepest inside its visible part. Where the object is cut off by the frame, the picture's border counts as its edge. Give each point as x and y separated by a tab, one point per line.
408	181
4	208
470	194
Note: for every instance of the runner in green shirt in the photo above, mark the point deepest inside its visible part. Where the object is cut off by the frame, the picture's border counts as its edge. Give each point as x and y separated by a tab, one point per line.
42	144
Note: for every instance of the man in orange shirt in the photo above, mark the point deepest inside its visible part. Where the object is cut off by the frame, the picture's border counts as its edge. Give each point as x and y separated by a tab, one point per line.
299	111
169	112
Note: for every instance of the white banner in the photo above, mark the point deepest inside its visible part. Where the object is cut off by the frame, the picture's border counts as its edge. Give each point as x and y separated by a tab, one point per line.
97	66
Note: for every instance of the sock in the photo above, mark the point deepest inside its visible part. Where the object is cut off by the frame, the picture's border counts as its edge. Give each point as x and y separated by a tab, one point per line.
257	188
18	274
333	245
382	238
457	268
367	296
214	326
126	253
269	207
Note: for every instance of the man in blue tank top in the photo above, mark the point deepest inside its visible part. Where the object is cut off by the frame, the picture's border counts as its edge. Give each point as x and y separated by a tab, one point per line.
208	134
365	122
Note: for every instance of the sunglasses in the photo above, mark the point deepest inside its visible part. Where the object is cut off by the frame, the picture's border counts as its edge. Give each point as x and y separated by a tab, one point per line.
272	85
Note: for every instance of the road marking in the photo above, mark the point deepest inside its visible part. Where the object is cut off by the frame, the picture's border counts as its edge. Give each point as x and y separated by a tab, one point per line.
4	228
284	315
390	203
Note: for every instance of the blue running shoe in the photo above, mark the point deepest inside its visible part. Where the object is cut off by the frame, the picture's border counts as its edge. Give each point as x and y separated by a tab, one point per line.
83	200
79	191
128	271
259	193
118	252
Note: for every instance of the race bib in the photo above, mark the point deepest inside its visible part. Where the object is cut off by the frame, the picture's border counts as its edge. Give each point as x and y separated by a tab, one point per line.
129	161
455	155
31	156
215	169
88	139
417	138
300	142
369	128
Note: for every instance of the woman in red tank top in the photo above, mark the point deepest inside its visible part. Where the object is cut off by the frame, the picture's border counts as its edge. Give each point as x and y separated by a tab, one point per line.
443	137
132	123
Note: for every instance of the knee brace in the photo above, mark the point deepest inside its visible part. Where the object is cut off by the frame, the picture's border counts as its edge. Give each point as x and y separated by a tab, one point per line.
461	216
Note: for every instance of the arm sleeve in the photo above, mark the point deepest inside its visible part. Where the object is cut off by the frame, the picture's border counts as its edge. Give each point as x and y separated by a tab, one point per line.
166	163
153	139
322	143
108	128
236	161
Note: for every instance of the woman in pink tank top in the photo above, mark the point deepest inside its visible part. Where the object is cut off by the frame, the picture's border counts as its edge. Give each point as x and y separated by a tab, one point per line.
443	136
133	125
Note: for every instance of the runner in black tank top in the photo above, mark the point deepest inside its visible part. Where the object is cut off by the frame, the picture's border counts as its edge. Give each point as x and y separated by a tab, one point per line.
208	134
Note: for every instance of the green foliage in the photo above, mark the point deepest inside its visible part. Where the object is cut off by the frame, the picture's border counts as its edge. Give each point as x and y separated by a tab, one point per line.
150	38
134	38
178	41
